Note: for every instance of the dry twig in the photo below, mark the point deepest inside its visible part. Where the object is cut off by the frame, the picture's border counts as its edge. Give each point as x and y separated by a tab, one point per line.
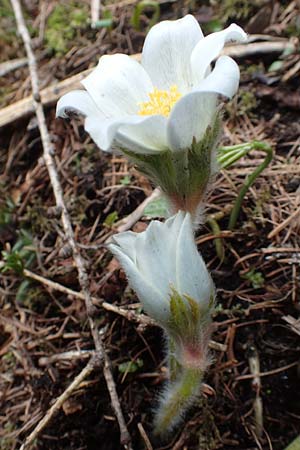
69	234
254	365
129	221
95	12
13	64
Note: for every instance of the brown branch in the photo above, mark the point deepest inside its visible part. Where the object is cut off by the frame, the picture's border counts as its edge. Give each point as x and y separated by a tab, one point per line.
12	64
130	315
129	221
48	152
95	12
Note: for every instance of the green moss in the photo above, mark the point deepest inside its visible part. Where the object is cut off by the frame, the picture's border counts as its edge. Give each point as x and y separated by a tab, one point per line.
10	41
6	209
20	256
63	24
246	102
237	9
256	278
8	28
7	443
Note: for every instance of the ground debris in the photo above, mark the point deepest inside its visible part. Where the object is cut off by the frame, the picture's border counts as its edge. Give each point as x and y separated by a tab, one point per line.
45	342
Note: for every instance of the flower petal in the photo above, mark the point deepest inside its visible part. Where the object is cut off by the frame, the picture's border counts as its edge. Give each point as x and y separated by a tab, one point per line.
223	80
210	47
156	305
149	133
126	241
118	84
140	134
76	101
153	256
192	275
190	118
167	50
193	113
149	260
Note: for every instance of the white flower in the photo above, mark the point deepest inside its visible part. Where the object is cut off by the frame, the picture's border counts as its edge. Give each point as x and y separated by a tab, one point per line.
162	260
167	101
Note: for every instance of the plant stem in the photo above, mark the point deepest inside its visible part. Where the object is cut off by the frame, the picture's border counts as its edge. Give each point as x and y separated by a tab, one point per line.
179	396
249	181
218	241
174	366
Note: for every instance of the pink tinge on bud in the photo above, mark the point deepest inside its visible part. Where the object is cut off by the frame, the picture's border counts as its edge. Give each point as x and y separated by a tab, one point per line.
195	354
184	203
195	357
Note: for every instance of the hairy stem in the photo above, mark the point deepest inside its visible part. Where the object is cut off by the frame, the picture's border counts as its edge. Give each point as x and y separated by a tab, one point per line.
174	366
178	398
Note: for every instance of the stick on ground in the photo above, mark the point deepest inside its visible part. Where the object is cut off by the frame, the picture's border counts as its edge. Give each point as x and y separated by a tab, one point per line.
48	152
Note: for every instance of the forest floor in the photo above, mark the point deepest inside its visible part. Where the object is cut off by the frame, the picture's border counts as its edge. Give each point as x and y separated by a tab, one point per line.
258	279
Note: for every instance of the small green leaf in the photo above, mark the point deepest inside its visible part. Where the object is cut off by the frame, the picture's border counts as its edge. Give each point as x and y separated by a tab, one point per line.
213	25
12	261
256	278
23	291
21	255
195	309
182	319
158	208
275	66
111	219
130	366
125	181
103	23
140	8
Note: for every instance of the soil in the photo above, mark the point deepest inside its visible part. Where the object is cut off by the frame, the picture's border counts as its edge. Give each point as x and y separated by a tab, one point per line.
258	302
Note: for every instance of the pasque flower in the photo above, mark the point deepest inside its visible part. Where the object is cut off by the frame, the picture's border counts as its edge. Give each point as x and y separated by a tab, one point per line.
171	280
169	276
163	113
168	100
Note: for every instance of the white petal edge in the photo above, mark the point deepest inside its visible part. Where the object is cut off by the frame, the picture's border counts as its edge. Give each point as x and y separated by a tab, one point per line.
223	80
210	47
190	118
167	50
193	278
149	132
156	254
118	84
76	101
140	134
126	241
156	305
193	113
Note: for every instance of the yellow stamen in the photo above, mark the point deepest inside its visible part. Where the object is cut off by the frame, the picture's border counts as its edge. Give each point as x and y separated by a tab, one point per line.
161	102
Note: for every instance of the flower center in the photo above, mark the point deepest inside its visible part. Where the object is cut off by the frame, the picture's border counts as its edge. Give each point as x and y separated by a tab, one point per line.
161	102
